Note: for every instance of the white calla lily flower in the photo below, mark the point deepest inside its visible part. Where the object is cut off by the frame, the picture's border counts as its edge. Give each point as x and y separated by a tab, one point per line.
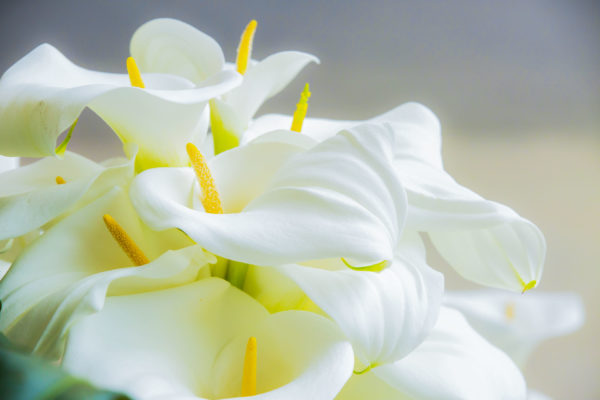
284	204
44	93
66	273
518	323
189	342
453	362
170	46
36	194
485	241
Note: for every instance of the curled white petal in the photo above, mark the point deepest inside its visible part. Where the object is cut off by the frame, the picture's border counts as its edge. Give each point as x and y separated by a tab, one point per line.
175	343
343	188
44	93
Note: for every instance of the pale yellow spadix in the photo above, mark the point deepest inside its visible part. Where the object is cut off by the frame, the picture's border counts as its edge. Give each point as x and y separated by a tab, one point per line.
244	50
301	109
135	77
132	250
509	311
249	375
210	196
60	180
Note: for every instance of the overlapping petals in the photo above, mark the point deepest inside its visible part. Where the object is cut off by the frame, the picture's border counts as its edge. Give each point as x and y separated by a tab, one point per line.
453	362
30	196
66	272
176	344
44	93
484	241
384	314
342	189
174	47
517	324
337	199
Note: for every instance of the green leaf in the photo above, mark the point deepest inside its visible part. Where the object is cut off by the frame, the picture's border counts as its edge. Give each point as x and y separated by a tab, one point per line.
24	377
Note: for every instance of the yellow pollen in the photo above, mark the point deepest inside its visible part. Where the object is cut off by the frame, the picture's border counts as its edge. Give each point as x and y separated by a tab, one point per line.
60	180
125	241
509	311
301	109
210	196
245	48
530	285
134	73
249	376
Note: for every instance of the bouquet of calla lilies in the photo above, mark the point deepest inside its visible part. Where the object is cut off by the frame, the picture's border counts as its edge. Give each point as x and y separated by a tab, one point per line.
227	255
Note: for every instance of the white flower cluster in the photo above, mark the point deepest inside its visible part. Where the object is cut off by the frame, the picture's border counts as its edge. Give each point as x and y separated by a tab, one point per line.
278	257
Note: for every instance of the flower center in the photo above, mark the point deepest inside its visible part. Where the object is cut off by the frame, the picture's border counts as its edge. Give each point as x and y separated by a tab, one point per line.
210	196
249	375
134	73
60	180
132	250
301	109
245	48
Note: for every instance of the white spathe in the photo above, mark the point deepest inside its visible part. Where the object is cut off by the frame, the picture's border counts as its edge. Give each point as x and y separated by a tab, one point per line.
453	363
343	188
384	314
516	323
171	46
30	196
485	241
286	204
65	273
44	93
189	343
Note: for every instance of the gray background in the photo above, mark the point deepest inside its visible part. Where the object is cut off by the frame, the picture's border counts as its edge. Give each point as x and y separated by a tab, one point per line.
515	83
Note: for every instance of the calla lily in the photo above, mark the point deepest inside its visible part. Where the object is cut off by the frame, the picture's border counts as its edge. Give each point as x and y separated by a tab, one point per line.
188	343
518	323
453	362
284	205
485	241
66	273
174	47
35	194
44	93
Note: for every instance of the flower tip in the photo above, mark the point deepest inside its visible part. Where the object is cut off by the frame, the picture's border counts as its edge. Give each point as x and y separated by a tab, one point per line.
135	77
530	285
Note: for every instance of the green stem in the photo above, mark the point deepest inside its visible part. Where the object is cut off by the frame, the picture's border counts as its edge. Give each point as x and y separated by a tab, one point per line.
236	273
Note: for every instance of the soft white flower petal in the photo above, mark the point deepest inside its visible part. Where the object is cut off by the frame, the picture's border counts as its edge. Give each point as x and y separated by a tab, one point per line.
518	323
484	241
171	46
44	93
454	362
30	196
177	343
8	163
74	248
264	80
343	188
385	314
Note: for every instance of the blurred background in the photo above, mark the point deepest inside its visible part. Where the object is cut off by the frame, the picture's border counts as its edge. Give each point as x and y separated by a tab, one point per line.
516	85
